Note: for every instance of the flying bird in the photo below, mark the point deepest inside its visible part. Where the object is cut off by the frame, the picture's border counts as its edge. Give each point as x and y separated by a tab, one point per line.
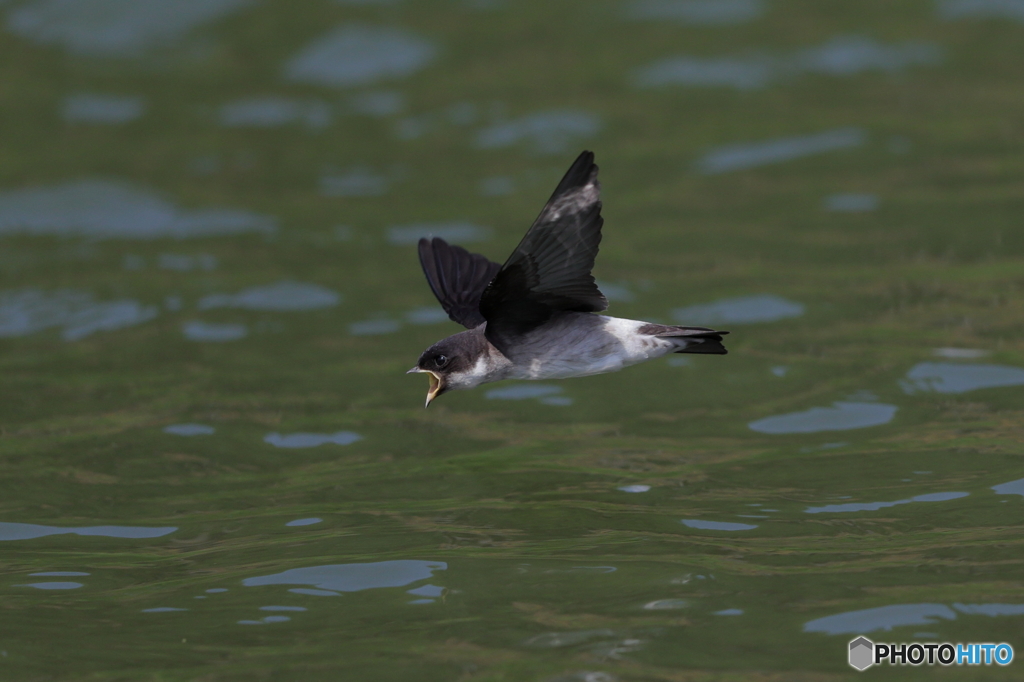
535	316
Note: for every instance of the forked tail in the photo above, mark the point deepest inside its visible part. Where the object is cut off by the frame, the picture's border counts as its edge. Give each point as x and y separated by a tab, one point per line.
690	339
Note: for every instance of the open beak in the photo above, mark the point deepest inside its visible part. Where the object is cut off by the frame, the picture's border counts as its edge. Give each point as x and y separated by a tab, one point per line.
436	383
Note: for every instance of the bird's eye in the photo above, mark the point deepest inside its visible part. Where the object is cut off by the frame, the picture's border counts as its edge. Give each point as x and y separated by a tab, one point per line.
441	360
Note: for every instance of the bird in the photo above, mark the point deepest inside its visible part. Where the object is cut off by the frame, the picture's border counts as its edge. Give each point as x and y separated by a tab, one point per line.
536	316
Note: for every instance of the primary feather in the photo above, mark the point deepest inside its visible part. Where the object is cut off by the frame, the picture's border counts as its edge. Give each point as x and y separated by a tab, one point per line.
549	271
458	279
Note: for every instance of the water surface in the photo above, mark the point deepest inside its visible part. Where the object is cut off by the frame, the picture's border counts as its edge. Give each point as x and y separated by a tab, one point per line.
214	467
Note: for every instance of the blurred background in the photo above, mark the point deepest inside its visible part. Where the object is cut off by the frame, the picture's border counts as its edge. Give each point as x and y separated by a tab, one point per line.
213	467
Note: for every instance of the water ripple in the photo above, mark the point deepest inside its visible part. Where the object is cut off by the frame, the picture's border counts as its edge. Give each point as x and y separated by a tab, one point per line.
353	577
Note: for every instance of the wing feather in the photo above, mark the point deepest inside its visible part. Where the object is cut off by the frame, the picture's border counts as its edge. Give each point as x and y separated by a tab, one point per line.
457	278
550	270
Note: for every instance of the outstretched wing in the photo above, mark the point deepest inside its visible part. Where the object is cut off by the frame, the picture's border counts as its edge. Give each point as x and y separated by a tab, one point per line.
550	269
457	277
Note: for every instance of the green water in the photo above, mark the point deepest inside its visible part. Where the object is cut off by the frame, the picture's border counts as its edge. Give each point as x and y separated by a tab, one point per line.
529	561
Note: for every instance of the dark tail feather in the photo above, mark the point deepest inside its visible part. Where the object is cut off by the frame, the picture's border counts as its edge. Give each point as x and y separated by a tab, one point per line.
699	339
709	345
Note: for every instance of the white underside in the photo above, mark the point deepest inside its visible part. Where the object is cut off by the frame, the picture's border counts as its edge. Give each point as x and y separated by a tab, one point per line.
606	345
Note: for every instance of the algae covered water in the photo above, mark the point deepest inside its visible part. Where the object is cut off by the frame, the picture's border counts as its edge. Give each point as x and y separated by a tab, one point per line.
213	466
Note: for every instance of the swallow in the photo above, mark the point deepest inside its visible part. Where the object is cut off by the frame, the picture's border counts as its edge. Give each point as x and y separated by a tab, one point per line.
535	317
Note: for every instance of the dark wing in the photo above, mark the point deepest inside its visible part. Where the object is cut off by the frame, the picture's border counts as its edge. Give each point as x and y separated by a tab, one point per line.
550	269
457	277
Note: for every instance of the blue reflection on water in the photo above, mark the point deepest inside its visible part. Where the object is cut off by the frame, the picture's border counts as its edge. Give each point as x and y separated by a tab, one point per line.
840	56
840	417
982	9
1010	488
716	525
729	612
735	72
427	591
430	314
523	392
938	497
874	506
104	109
189	429
270	112
29	531
851	203
266	619
53	586
77	314
849	55
114	28
374	327
616	292
360	55
948	377
889	617
552	640
110	209
740	310
961	353
353	577
881	618
547	132
279	297
455	232
742	156
197	330
311	440
304	522
314	593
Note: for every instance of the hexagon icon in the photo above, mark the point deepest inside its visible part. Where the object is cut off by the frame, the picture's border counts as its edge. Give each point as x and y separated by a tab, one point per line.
862	652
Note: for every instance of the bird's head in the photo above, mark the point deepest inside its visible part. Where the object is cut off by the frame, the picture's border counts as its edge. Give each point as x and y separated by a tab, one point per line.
458	362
